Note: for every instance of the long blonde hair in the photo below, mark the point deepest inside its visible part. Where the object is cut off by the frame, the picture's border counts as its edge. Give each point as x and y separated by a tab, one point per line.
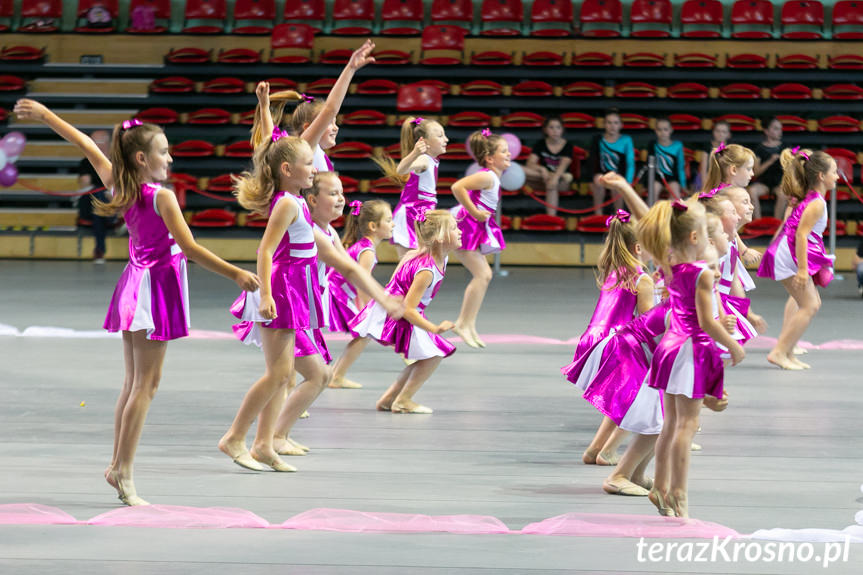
413	128
800	170
305	112
721	159
125	172
618	255
666	227
432	228
255	189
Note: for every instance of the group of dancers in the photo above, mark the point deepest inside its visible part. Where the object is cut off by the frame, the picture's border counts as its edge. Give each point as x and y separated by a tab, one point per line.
654	340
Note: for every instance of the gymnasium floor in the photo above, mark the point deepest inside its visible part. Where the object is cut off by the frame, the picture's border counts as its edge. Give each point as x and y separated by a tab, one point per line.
505	440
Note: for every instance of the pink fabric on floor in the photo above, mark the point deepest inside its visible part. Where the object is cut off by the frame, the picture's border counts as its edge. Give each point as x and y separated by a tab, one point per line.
34	514
608	525
362	521
180	517
842	344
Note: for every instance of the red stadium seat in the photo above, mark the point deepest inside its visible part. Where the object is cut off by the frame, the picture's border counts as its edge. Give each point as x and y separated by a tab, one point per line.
688	91
311	12
584	89
294	43
337	56
246	118
7	12
797	62
160	10
579	155
239	56
791	91
522	120
543	223
172	85
257	17
364	118
193	149
542	58
161	116
225	85
793	123
843	92
213	218
845	160
377	87
635	90
845	62
533	88
349	185
632	121
279	84
418	98
651	18
739	122
803	20
761	227
240	149
701	19
848	20
405	15
504	17
385	186
108	10
392	57
41	16
213	12
593	60
644	60
321	86
469	119
684	122
746	61
695	60
592	224
491	58
454	151
481	88
839	123
447	39
209	117
188	55
601	18
752	19
358	17
350	150
12	84
256	221
551	18
22	54
453	12
578	121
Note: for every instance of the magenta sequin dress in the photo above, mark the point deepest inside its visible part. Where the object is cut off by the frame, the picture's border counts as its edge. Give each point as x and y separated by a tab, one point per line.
729	265
311	341
153	292
293	281
780	259
419	193
343	307
486	236
687	361
615	308
406	338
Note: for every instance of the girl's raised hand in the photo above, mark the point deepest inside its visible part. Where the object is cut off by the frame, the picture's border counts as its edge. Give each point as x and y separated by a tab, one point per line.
362	56
267	307
444	326
27	109
247	280
262	91
421	147
612	180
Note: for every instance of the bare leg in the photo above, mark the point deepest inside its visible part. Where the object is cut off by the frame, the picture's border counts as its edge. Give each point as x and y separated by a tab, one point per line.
148	357
756	190
608	454
465	325
352	351
628	477
419	373
685	427
598	192
603	433
674	189
129	378
662	473
317	374
808	303
263	401
385	402
552	197
781	203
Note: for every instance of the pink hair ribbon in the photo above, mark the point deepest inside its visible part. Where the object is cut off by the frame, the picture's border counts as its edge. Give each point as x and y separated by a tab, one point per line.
720	148
621	215
278	134
486	132
306	98
131	123
796	151
356	206
679	206
713	192
417	121
421	214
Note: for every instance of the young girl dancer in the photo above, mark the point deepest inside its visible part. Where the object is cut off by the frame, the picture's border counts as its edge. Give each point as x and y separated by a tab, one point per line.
797	256
150	305
624	287
368	224
422	142
478	195
687	364
289	298
418	278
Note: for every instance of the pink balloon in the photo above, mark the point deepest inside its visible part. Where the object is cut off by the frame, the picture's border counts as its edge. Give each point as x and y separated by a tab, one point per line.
8	175
514	144
13	144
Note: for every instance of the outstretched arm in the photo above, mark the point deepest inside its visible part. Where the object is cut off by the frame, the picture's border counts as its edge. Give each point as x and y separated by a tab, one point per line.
263	92
633	201
27	109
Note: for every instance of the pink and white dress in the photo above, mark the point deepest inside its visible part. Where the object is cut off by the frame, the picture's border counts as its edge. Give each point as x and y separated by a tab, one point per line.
406	338
687	361
729	266
487	236
780	259
321	161
153	292
343	306
419	193
293	281
311	341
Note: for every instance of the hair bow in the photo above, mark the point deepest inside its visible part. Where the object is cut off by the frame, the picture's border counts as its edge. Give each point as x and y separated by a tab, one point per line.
417	121
796	151
712	192
306	98
621	215
486	132
679	206
421	214
278	134
131	123
720	148
356	206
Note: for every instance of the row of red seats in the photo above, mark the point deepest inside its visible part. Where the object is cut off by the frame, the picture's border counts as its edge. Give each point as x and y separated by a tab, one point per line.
750	19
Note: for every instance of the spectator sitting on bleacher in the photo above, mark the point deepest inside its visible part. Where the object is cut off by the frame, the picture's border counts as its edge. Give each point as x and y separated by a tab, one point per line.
548	164
88	179
670	161
612	152
721	134
768	171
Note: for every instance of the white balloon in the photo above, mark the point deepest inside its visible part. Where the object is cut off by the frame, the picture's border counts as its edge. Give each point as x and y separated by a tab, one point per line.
512	178
3	159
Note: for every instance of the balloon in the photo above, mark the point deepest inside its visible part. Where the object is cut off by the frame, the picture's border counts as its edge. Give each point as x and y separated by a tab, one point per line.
472	169
467	148
3	159
512	178
514	144
8	175
13	143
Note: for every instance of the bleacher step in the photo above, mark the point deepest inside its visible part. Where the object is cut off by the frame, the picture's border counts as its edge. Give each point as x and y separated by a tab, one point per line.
12	218
88	87
32	183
